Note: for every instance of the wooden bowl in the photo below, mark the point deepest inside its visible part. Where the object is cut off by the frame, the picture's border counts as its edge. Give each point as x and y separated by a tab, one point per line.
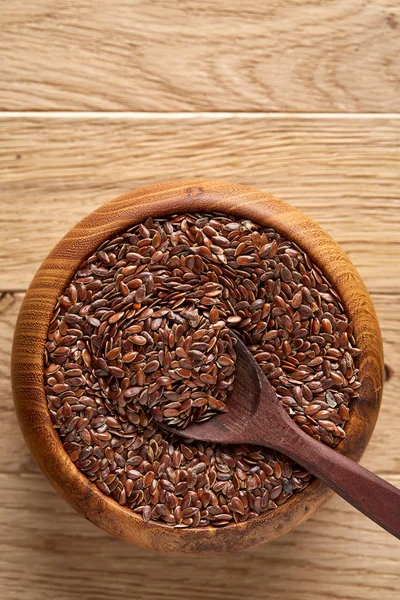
56	272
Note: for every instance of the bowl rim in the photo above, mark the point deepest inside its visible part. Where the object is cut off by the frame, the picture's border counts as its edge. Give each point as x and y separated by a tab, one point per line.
55	273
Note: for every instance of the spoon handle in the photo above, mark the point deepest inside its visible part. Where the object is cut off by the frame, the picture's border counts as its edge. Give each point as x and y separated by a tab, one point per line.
373	496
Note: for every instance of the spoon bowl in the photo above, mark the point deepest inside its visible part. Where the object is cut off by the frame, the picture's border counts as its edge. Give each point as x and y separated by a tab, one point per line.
252	401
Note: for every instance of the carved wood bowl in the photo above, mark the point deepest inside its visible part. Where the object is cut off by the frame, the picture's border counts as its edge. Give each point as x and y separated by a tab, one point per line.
56	272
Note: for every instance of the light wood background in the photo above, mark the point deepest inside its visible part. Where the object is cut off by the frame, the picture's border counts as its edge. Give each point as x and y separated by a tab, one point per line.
296	97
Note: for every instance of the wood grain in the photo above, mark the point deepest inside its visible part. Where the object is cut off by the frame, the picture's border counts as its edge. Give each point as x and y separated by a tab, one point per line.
336	554
162	55
343	172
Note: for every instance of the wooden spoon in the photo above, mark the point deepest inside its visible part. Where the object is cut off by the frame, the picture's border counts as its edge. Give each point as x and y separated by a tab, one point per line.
255	416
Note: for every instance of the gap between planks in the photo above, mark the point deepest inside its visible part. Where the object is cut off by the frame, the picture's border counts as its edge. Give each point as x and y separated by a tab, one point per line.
191	115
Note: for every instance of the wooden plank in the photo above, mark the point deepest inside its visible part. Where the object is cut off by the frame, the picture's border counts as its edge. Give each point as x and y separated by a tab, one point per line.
343	172
162	55
48	551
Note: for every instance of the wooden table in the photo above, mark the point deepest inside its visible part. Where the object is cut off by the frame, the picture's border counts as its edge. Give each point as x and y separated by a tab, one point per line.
298	98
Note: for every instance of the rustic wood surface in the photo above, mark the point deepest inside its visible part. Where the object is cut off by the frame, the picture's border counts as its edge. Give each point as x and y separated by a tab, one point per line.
286	56
191	55
340	171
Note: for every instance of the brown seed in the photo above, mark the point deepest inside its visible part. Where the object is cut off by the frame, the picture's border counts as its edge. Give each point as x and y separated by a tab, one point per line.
93	321
185	373
116	371
225	361
208	379
134	328
189	512
129	357
133	391
112	354
116	317
133	474
152	366
236	505
214	315
140	294
139	340
233	320
111	422
328	425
